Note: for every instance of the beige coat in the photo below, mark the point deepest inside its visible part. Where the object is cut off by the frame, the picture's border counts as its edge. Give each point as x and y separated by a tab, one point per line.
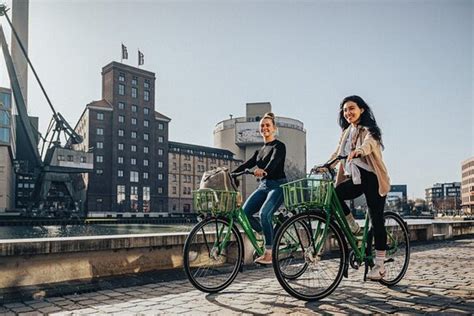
370	150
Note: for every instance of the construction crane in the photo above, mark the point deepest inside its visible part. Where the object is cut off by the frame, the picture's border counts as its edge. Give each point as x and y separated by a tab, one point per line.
58	188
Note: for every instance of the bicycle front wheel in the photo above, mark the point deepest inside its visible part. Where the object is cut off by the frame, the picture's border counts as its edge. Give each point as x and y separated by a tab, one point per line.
212	255
316	260
398	249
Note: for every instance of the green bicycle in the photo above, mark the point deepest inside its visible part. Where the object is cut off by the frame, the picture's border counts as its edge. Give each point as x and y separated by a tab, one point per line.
325	254
213	252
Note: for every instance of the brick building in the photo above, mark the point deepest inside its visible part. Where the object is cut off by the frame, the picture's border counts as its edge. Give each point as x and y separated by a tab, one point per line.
129	140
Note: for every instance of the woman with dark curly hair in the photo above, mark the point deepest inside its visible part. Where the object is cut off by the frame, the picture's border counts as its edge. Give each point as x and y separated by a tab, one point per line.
363	172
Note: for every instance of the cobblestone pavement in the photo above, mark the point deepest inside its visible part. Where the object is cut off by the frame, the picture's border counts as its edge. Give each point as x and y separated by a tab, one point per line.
439	280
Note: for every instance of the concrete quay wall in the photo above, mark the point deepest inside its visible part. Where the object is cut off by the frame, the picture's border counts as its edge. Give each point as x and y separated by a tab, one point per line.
30	262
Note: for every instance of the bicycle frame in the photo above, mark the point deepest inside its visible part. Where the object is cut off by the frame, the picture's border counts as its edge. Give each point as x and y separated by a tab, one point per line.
333	208
239	215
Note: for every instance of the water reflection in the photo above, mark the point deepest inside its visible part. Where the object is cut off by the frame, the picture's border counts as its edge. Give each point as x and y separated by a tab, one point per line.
15	232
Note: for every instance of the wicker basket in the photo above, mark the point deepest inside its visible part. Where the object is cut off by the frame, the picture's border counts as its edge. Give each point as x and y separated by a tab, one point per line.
307	192
214	201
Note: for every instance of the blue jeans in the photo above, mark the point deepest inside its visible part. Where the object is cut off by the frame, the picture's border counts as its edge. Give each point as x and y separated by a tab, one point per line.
266	199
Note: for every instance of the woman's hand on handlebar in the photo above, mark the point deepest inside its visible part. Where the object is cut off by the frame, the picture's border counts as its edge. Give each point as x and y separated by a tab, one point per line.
259	173
319	169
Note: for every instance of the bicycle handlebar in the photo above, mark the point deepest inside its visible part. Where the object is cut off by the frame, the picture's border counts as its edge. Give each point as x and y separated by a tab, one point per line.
238	174
327	166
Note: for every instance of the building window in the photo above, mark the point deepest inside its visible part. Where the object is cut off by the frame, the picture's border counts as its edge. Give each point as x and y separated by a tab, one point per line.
161	126
146	95
145	162
133	161
134	134
146	123
121	77
134	108
146	193
121	89
120	146
100	145
121	119
160	164
100	116
145	149
160	190
120	160
146	111
134	196
146	84
121	132
145	175
134	121
100	131
160	176
146	136
99	158
120	194
174	166
160	152
133	148
120	173
174	190
121	105
5	135
134	93
99	171
133	176
83	159
134	81
160	139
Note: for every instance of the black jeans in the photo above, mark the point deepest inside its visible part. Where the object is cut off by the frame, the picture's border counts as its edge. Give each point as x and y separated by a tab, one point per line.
370	188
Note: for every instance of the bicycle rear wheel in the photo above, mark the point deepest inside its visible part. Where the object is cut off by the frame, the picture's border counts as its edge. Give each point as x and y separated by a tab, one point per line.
398	249
211	263
319	273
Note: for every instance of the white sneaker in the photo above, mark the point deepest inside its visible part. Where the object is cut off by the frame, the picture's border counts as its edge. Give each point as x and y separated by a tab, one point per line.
355	228
377	272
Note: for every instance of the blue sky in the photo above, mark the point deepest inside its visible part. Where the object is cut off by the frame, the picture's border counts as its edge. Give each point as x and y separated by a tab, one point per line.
411	60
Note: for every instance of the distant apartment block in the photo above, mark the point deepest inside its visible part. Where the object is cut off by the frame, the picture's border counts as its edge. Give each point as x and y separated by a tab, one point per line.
187	163
129	140
467	185
397	197
444	196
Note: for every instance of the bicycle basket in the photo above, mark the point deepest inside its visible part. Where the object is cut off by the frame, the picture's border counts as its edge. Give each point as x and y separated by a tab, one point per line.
214	201
305	192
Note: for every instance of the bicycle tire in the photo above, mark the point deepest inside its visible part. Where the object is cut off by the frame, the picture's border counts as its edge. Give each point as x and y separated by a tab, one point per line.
208	269
333	260
398	249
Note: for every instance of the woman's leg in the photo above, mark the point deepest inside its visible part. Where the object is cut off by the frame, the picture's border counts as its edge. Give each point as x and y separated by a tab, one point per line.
269	207
376	205
252	205
347	190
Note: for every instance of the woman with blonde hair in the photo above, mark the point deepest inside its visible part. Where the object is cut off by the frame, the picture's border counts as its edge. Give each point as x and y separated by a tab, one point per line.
267	198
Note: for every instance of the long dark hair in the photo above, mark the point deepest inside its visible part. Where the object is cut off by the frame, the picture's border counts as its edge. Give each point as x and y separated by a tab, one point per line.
367	118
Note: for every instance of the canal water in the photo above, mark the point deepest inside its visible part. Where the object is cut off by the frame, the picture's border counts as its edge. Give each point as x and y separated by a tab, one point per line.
20	232
16	232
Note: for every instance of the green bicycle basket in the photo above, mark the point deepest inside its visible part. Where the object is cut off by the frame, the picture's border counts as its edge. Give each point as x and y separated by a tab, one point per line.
306	192
215	202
